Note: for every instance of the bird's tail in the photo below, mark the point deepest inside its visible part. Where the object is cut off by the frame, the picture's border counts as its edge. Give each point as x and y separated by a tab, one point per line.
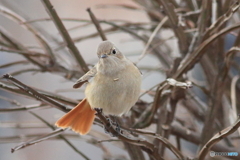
79	119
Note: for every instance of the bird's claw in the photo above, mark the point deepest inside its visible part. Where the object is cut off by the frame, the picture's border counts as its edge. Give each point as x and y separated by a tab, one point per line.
109	124
98	110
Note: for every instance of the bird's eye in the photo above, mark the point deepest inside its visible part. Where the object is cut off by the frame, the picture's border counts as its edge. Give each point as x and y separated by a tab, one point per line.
114	51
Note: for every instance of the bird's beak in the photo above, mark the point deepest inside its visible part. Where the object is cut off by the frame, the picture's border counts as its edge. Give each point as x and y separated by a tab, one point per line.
104	56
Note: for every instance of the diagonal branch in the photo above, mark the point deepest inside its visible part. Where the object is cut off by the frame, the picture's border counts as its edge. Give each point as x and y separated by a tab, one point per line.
65	35
218	92
35	94
156	30
178	30
216	138
16	45
190	61
55	97
146	118
97	25
18	19
61	136
221	20
39	139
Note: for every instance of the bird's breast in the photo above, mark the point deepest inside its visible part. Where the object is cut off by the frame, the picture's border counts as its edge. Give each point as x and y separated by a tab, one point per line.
115	93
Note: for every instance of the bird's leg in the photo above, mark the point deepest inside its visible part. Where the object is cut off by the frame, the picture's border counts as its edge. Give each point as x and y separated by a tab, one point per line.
112	122
118	128
108	125
98	110
109	121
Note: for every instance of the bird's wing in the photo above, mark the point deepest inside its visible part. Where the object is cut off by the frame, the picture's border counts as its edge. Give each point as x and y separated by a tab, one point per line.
91	73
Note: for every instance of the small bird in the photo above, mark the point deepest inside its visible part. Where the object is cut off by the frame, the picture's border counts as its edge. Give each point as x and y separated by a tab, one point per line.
115	87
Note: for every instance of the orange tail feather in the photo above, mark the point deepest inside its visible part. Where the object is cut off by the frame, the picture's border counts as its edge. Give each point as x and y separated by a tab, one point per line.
79	119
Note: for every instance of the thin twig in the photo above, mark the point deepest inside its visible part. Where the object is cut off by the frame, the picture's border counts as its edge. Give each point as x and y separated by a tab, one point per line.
156	30
178	30
194	137
23	108
97	25
28	53
61	136
34	93
217	137
56	97
146	118
15	73
14	63
38	36
39	139
21	138
221	20
190	61
233	97
16	45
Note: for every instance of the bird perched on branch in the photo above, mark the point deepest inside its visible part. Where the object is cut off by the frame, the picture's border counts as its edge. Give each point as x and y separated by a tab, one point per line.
115	88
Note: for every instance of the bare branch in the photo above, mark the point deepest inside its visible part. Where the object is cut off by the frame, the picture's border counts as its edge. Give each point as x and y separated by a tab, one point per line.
217	137
39	37
190	61
175	151
14	109
221	20
97	25
178	30
134	141
13	64
39	139
27	53
146	118
65	35
156	30
34	93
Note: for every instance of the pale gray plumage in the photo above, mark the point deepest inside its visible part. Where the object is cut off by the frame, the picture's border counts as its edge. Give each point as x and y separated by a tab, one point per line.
116	81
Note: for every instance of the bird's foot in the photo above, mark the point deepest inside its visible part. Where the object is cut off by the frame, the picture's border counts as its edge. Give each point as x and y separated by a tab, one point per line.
108	126
118	129
98	110
110	123
114	125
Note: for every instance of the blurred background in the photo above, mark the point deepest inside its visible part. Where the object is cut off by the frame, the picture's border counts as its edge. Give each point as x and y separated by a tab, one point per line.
131	25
